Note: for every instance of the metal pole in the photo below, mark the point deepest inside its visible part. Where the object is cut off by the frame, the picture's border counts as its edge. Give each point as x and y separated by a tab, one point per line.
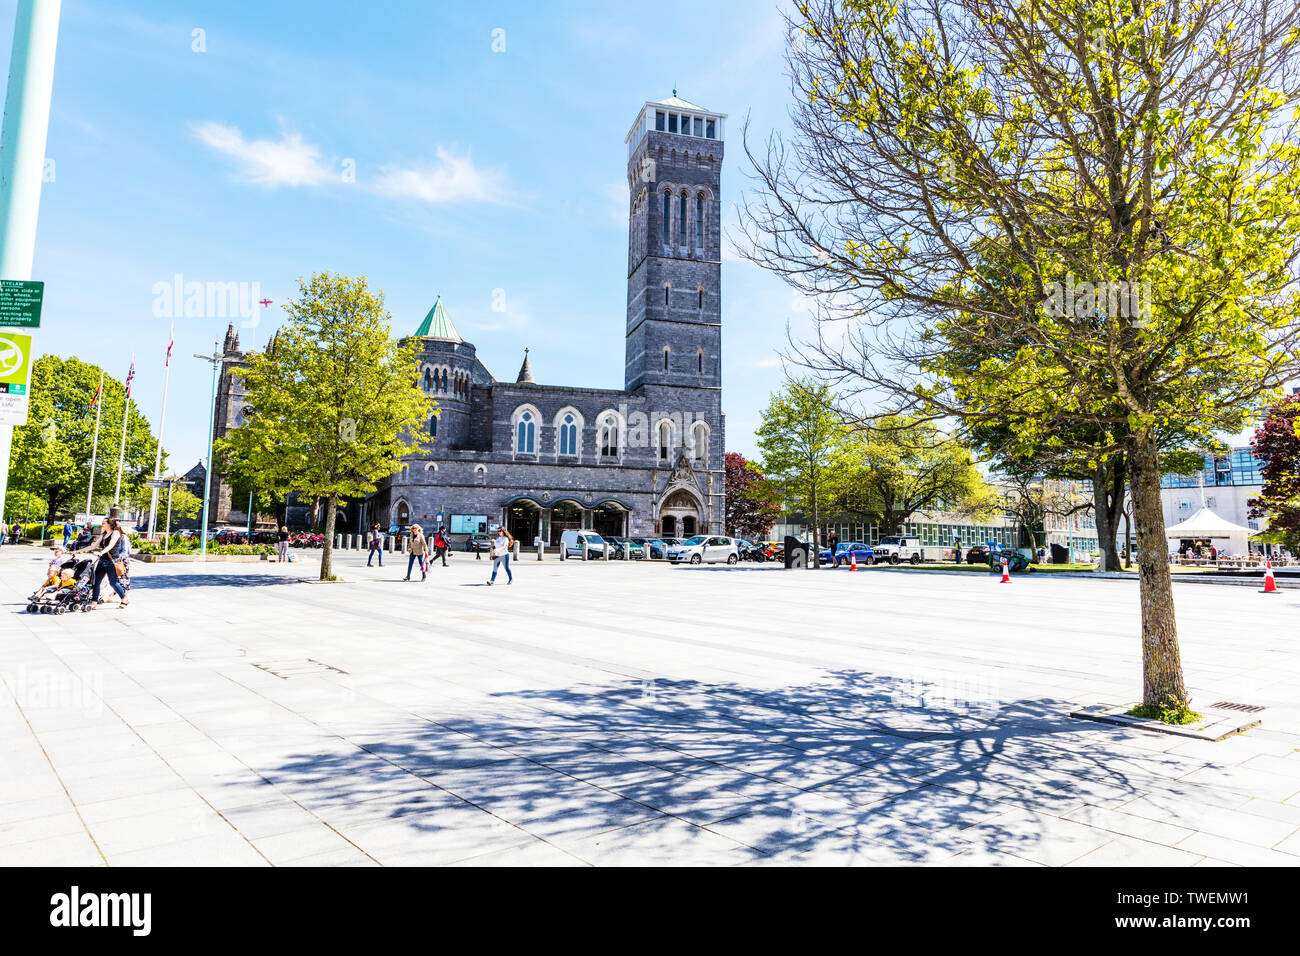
22	154
215	358
167	532
94	448
250	517
126	414
162	421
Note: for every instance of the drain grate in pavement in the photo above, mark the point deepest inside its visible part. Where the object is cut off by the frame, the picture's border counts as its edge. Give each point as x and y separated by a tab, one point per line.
1244	708
297	668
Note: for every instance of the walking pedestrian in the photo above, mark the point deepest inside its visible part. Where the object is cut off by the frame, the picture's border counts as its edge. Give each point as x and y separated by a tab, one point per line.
956	547
501	555
113	561
282	545
833	540
67	534
441	547
4	532
417	549
376	547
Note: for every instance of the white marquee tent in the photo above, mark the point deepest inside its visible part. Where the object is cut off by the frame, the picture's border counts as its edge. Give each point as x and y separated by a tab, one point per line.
1205	524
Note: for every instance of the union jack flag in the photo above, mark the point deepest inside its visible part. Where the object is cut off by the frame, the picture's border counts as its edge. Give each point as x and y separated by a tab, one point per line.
130	375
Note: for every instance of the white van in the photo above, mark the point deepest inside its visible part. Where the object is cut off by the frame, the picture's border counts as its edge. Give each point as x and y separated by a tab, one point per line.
572	543
705	548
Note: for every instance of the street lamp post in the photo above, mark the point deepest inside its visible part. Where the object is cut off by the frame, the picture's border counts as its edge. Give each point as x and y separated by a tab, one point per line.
216	359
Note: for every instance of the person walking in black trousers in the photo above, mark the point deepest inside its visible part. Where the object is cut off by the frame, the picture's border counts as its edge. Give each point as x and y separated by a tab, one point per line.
376	547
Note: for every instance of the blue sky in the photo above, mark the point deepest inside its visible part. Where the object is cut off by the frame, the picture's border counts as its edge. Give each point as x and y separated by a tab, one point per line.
475	171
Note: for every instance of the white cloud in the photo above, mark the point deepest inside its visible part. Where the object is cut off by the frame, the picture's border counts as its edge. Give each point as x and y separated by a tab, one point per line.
288	162
451	179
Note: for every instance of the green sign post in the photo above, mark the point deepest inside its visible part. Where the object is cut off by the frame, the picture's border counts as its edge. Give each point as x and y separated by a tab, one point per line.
20	303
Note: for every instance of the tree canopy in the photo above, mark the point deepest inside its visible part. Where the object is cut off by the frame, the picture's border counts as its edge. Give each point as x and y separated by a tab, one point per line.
336	406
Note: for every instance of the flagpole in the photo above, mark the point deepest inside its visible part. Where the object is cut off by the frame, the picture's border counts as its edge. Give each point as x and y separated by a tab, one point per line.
121	455
162	420
94	448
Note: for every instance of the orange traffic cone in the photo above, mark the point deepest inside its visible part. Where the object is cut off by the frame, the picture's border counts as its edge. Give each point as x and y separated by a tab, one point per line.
1006	575
1270	586
853	561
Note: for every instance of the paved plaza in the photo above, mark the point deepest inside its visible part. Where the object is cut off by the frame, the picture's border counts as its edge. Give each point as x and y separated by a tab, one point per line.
613	714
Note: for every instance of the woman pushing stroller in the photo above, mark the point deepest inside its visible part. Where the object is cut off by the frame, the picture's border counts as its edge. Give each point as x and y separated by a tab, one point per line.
113	561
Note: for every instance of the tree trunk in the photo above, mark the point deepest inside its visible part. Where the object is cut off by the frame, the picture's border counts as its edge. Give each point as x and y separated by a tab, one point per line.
1106	530
1128	542
1162	668
327	551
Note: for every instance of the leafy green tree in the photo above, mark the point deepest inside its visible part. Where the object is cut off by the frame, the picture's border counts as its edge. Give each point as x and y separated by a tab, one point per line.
1132	171
336	403
900	466
184	504
51	453
797	435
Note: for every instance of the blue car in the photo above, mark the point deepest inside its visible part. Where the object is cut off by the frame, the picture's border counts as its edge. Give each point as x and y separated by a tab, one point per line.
847	553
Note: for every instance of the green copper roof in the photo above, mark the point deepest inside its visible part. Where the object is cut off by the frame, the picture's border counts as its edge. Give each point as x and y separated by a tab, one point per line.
438	325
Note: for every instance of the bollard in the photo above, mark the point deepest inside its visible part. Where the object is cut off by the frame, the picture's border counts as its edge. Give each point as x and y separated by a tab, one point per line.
627	551
606	550
338	541
563	550
516	555
540	547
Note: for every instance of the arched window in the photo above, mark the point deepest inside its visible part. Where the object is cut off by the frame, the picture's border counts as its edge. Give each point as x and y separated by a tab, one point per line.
682	221
444	380
700	441
665	440
665	358
668	212
665	293
700	290
568	436
699	222
433	426
699	361
428	380
480	474
526	435
609	437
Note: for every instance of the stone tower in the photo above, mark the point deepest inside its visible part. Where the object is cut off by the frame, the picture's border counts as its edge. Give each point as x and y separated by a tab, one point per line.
674	309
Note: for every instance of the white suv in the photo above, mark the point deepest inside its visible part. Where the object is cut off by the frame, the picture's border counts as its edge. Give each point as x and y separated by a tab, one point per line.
896	550
705	549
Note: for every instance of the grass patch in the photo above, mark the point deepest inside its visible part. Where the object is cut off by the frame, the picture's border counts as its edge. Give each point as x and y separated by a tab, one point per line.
1176	712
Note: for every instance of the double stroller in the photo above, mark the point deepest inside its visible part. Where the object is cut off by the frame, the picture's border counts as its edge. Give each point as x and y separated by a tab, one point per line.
68	586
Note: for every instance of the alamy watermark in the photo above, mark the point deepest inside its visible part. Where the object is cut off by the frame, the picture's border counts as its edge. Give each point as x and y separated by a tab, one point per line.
208	300
1124	299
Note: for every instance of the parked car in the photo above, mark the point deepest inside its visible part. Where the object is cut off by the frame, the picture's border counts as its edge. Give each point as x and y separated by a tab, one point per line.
573	542
705	549
979	553
654	547
635	549
265	537
478	542
896	549
848	553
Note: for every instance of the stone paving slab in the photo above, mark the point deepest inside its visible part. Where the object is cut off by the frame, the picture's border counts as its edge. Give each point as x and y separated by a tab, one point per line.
617	714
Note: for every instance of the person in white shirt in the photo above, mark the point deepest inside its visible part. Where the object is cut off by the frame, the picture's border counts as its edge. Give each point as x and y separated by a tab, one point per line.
501	555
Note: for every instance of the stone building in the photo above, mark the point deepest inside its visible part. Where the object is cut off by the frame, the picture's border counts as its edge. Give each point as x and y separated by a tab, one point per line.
643	460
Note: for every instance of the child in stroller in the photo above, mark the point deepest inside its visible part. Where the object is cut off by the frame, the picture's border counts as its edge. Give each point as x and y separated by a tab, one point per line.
68	584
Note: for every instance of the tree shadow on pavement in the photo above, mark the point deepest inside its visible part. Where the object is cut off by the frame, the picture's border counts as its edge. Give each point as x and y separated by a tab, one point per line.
853	769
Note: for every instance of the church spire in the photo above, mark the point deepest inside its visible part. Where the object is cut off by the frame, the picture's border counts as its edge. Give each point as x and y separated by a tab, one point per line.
525	372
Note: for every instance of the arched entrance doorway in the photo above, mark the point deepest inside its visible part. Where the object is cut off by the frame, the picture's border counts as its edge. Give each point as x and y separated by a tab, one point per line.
565	515
608	520
524	521
403	514
679	515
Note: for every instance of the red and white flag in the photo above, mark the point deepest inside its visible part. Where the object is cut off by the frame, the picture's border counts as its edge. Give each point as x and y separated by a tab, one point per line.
95	398
170	343
130	375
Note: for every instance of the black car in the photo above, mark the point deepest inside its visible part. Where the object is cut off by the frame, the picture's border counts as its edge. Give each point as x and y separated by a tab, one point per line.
979	553
478	542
